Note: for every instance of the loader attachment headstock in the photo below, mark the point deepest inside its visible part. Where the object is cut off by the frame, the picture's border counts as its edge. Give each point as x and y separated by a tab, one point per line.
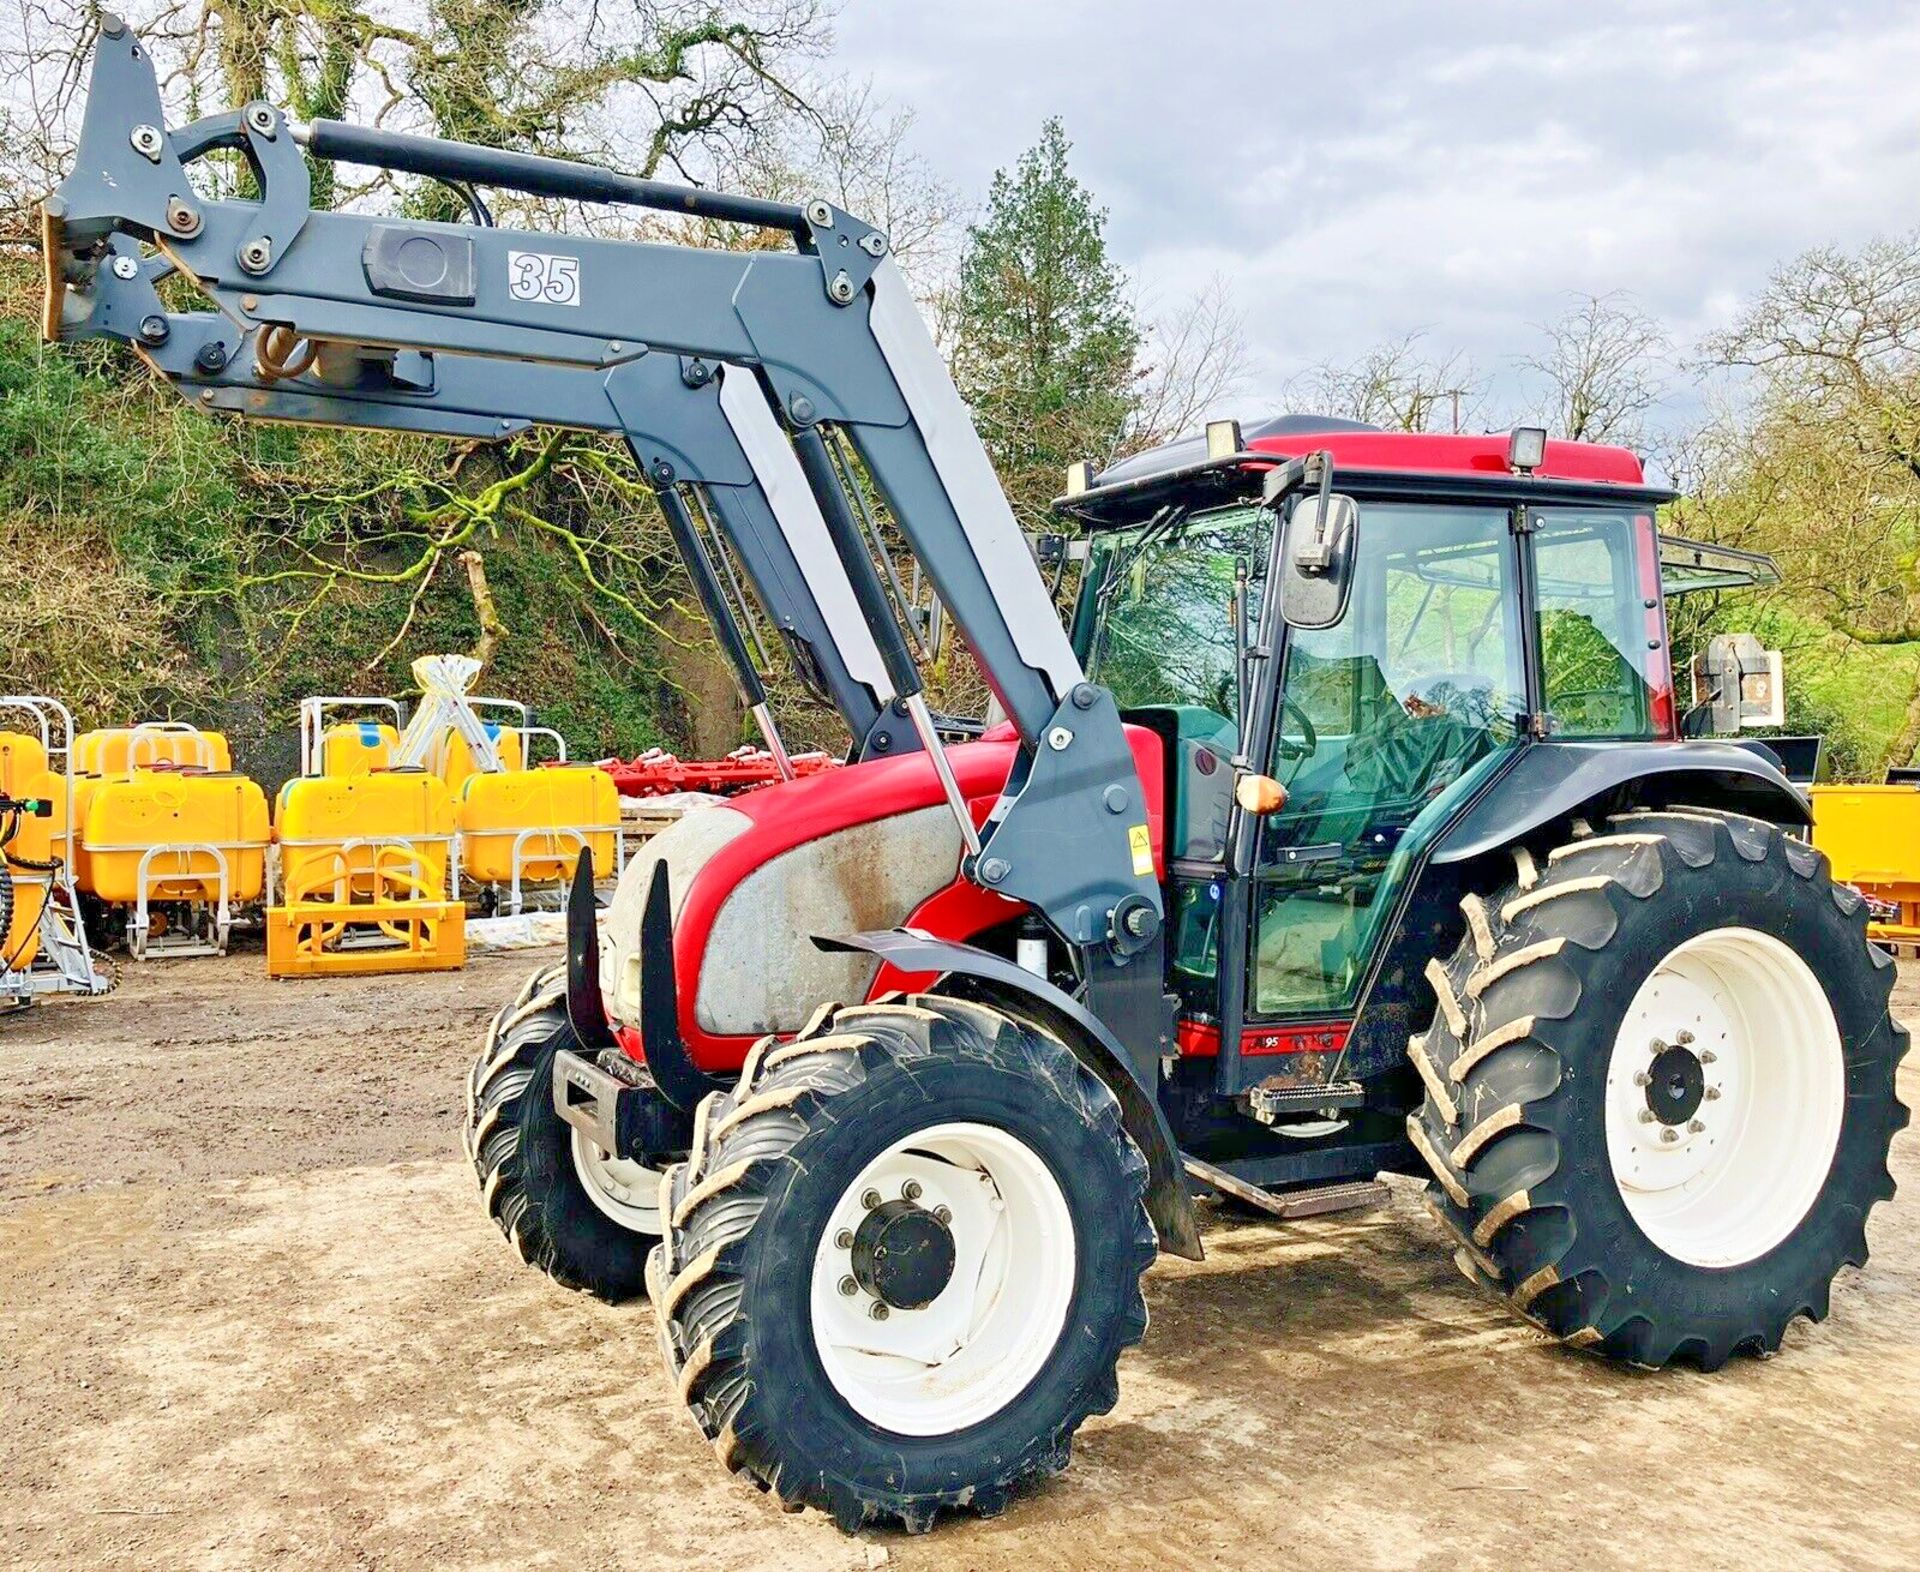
724	370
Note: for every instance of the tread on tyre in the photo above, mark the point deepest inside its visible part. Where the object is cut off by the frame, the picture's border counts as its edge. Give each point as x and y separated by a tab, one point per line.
522	1152
1521	1081
753	1215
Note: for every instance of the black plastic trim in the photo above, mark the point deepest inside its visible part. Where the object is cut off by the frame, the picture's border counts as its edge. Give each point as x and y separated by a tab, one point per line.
586	1009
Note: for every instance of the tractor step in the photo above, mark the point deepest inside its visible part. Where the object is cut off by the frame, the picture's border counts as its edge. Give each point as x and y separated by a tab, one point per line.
1353	1195
1269	1103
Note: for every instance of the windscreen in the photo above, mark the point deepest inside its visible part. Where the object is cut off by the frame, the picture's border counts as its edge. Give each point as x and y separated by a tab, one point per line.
1160	626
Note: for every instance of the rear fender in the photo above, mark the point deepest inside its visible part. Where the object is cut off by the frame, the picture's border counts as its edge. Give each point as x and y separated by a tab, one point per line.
968	973
1546	783
1552	780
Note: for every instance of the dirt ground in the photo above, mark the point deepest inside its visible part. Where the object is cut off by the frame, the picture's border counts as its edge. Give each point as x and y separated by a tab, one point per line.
252	1315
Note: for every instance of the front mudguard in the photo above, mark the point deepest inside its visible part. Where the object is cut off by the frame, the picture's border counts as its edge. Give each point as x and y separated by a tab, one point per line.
971	973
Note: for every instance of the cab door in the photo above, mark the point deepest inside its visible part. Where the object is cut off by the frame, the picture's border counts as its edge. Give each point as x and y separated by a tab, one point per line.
1383	720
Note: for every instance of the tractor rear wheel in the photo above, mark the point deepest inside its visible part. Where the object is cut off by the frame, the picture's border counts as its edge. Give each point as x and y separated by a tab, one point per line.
581	1215
902	1261
1660	1087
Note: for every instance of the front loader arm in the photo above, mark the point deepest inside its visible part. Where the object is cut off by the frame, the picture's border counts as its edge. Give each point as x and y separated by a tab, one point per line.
667	410
825	337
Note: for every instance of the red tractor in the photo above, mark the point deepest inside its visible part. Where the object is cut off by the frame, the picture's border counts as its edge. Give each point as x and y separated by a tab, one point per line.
1347	829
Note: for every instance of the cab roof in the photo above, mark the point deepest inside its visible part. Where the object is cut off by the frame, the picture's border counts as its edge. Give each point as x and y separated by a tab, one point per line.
1365	458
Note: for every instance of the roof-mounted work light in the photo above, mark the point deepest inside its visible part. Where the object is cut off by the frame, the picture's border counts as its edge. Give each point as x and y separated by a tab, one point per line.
1527	449
1079	477
1223	439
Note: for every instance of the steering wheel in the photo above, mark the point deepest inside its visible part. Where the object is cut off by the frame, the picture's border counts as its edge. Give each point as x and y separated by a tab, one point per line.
1309	738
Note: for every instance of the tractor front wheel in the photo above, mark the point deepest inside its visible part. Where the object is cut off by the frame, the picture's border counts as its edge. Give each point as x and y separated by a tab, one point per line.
1660	1087
581	1215
902	1261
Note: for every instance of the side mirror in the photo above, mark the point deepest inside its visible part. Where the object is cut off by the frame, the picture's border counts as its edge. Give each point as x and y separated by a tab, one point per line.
1317	572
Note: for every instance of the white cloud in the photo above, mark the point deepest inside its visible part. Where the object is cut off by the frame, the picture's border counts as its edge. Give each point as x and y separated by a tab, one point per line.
1362	171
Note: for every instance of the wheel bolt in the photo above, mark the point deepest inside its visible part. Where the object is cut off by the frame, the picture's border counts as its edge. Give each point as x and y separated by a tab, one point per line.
1708	1056
943	1214
1646	1116
869	1199
1656	1046
843	1240
1694	1127
1683	1037
879	1311
1643	1079
849	1287
911	1190
1669	1135
1711	1093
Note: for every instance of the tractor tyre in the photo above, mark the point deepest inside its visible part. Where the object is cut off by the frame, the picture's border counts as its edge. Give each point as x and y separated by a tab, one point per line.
581	1216
902	1261
1659	1087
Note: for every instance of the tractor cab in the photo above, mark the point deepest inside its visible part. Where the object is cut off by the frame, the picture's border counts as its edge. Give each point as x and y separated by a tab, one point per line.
1476	602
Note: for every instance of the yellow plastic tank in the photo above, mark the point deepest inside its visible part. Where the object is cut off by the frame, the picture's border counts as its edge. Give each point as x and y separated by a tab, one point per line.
317	817
357	747
114	750
457	765
568	804
35	843
1871	835
163	811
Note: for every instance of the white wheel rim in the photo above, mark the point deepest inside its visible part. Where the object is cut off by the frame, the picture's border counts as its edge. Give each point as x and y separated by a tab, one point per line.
975	1348
1737	1176
627	1192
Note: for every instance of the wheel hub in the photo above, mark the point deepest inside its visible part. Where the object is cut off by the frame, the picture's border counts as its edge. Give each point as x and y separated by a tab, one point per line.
1676	1085
1724	1096
903	1256
942	1278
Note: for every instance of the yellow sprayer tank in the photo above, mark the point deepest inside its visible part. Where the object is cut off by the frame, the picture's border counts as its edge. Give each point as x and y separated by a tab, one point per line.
1871	835
457	765
357	747
35	843
163	812
330	826
565	804
114	750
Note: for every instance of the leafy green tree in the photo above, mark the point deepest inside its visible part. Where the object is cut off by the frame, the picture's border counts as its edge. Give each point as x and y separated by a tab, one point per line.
1045	338
1823	470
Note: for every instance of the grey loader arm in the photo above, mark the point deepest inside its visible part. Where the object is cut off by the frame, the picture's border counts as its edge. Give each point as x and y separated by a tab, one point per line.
667	409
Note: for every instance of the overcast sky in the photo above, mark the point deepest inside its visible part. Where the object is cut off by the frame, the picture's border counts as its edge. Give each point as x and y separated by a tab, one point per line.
1360	170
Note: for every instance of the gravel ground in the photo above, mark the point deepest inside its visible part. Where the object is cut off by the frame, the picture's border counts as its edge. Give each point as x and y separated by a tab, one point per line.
253	1316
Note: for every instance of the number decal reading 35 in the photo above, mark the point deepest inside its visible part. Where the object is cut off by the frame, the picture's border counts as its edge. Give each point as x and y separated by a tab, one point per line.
534	275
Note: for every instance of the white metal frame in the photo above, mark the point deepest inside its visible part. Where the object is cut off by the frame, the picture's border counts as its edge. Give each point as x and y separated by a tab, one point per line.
141	923
152	731
65	960
551	834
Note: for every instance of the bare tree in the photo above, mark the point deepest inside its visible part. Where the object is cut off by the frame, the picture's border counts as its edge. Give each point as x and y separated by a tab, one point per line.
655	87
1604	367
1193	359
1395	385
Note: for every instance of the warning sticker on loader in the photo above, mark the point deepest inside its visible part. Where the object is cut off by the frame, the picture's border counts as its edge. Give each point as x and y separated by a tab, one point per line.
1142	844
